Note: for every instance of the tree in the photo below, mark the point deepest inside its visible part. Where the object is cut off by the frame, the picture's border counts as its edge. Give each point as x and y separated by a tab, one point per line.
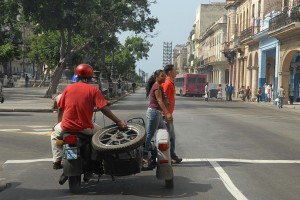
93	21
44	50
10	34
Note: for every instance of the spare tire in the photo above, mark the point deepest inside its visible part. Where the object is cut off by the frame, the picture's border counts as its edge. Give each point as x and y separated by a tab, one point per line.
112	140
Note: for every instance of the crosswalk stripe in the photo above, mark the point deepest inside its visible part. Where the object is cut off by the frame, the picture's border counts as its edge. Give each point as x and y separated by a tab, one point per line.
38	126
45	129
10	130
34	133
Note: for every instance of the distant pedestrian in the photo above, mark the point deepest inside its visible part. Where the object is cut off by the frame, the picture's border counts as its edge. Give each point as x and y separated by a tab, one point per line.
291	94
258	95
26	80
227	92
119	85
248	93
230	92
206	91
133	87
219	95
280	96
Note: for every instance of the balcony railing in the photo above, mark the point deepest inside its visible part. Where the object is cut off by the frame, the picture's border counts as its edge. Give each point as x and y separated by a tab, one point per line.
247	33
279	21
282	20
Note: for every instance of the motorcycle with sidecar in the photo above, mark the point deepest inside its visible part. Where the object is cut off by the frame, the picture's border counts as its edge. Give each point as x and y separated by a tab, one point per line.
114	152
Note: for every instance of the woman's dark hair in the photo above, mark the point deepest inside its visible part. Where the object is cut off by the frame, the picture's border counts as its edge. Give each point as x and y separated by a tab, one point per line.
151	81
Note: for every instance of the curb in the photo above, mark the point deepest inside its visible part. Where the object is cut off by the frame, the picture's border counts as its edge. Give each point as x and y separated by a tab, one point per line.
27	110
50	110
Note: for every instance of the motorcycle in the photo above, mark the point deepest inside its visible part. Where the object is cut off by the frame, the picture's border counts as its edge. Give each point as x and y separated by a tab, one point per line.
114	152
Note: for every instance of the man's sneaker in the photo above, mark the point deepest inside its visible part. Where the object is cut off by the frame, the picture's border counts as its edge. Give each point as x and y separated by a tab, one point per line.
176	160
57	165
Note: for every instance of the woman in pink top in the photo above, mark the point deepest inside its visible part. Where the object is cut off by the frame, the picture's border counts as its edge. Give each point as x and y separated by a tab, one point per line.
158	104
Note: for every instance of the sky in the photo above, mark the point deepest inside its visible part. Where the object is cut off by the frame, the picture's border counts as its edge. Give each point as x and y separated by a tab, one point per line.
176	19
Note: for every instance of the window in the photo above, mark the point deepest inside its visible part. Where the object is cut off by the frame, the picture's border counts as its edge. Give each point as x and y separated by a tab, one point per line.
192	80
201	80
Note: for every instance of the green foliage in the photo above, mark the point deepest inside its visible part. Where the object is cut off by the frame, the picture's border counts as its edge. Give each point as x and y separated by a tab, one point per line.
44	48
6	52
10	31
88	28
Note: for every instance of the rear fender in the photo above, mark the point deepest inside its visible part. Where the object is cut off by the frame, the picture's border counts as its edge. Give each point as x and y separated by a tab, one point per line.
72	167
162	137
164	170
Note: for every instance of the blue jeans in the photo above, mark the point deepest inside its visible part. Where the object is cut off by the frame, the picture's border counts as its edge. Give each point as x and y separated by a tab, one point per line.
154	122
170	127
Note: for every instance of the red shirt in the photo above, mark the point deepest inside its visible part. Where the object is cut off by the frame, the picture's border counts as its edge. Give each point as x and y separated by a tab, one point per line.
78	102
169	89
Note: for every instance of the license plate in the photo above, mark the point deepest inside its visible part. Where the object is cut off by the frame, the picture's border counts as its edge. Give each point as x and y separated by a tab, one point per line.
71	154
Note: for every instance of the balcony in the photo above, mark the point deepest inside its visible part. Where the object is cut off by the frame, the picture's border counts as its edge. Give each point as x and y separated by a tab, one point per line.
246	34
283	26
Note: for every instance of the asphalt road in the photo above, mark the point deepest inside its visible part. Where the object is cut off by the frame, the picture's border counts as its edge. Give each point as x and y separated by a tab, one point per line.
231	150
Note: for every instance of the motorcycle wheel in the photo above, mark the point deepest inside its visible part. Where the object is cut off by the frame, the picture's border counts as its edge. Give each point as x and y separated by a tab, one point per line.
74	184
112	140
169	183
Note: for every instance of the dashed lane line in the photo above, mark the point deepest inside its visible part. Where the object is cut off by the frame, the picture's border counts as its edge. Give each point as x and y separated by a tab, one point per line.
42	132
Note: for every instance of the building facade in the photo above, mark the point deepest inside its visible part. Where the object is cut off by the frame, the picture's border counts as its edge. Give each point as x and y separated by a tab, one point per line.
213	62
262	45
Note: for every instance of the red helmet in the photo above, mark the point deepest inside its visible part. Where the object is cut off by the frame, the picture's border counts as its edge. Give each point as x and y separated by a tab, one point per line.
84	71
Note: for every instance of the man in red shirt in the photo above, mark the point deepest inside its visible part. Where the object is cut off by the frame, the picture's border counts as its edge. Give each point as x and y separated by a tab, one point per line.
169	89
76	107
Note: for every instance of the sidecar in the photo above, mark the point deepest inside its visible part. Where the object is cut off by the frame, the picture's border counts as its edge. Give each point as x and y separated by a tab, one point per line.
122	151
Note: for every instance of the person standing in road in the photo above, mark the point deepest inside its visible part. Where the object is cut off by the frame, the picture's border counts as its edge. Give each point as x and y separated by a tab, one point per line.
280	95
169	89
291	94
75	109
158	104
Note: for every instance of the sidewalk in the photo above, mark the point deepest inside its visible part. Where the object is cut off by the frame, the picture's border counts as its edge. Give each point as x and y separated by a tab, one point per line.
286	107
32	100
29	100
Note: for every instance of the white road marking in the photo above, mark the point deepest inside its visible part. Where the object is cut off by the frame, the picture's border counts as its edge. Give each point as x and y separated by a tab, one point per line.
45	129
9	130
28	161
213	161
38	126
227	181
35	133
241	160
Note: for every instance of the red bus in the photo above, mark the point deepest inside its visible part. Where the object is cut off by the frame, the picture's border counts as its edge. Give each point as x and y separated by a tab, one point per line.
190	84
